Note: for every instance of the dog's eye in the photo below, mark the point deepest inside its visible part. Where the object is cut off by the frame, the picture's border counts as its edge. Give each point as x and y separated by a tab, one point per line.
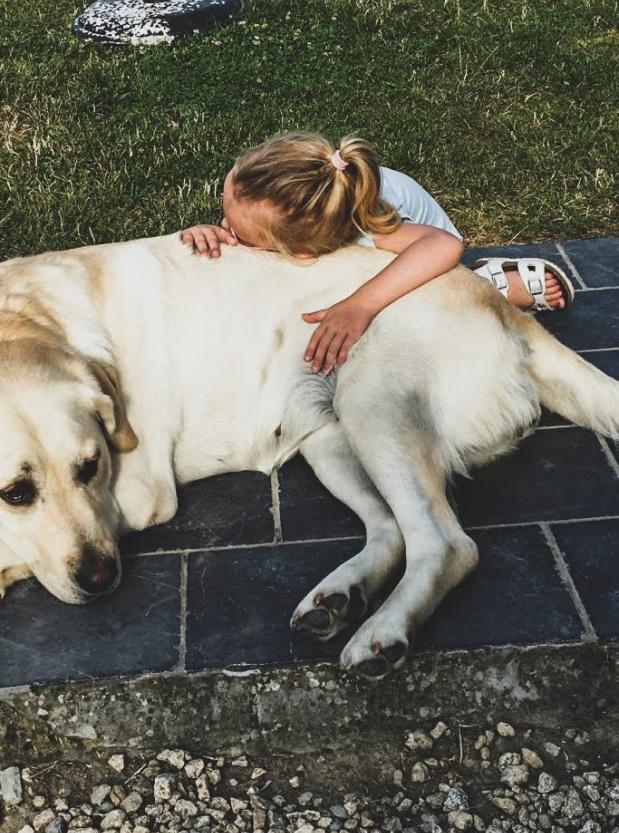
87	471
21	493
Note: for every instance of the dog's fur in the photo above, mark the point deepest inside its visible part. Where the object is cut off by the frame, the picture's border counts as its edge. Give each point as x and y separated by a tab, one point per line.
167	367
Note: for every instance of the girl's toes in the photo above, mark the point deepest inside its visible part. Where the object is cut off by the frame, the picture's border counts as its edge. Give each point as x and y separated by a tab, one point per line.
554	292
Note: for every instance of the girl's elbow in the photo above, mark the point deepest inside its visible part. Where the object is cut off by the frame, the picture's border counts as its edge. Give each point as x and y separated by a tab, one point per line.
458	248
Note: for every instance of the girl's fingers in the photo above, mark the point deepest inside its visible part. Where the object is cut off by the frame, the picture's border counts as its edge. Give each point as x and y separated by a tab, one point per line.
344	350
334	350
187	238
321	351
213	242
314	317
199	242
313	343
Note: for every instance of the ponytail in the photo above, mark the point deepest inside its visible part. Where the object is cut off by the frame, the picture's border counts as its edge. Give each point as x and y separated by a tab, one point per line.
324	197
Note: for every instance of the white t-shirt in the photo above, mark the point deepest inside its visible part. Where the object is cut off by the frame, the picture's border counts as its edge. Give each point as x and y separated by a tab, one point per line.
412	203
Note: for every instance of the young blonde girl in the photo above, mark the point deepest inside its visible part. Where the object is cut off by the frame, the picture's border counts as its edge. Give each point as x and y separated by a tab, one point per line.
299	195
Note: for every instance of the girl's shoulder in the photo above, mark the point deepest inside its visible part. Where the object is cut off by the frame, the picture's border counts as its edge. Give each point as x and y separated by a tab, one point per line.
400	190
412	202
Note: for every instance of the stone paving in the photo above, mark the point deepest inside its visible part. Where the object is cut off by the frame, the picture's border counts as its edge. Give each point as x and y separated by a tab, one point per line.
215	587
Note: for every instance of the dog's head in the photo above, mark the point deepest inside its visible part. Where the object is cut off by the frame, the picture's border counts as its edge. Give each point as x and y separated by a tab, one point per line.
61	418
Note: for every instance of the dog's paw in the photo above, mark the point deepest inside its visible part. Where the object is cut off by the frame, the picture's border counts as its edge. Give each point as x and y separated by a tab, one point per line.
145	504
326	611
11	575
375	650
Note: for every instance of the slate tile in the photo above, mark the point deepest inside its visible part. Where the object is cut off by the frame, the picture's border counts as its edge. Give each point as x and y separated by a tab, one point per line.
514	597
591	551
597	261
607	361
308	510
239	603
556	474
591	323
547	251
134	630
220	511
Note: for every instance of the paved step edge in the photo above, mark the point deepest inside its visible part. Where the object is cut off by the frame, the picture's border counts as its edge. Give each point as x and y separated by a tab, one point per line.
309	707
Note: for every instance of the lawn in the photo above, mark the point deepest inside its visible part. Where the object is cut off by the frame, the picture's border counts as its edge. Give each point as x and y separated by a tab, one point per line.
507	111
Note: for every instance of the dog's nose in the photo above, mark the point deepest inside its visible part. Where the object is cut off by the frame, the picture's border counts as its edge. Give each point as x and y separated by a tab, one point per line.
97	571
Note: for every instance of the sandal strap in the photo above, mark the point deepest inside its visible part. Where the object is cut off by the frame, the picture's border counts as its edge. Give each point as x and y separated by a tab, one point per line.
491	269
532	273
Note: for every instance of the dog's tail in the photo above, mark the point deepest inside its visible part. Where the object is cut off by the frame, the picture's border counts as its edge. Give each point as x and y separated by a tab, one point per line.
569	385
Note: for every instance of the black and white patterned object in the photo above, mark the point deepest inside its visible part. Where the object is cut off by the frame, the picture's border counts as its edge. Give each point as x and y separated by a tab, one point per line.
151	21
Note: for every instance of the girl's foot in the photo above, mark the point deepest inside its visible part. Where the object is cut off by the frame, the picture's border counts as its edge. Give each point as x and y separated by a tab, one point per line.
528	283
519	296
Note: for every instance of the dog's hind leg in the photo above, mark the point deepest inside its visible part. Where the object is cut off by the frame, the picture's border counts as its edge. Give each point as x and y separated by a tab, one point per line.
342	596
397	448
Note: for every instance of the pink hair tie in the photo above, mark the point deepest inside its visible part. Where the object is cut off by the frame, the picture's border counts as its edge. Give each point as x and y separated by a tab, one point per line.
337	161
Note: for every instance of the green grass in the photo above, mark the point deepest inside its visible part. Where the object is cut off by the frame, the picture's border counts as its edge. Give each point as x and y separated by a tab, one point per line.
506	110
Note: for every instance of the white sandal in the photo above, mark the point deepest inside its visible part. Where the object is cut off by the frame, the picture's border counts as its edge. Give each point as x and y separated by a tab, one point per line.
532	274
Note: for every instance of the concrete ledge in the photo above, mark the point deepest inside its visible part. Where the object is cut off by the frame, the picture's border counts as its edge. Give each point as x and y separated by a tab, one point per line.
304	709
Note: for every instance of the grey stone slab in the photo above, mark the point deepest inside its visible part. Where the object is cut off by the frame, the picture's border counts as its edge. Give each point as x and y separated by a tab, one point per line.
591	323
239	603
308	510
514	597
591	551
597	261
556	474
220	511
133	630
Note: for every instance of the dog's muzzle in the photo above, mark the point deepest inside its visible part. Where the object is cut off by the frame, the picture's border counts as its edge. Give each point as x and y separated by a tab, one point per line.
97	573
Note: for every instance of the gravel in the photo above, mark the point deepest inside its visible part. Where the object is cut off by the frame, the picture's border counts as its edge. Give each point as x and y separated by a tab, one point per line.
10	785
442	780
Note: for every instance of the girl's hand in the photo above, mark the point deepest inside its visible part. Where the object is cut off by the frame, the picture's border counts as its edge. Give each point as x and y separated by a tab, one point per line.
205	240
340	326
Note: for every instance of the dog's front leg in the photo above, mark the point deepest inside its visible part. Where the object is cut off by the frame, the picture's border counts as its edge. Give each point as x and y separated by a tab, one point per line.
144	487
10	569
144	484
11	575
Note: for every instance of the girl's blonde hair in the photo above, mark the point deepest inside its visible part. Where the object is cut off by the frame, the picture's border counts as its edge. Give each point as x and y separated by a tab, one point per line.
319	207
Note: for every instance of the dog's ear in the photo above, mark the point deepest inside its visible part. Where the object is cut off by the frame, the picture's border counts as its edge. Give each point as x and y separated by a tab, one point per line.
112	408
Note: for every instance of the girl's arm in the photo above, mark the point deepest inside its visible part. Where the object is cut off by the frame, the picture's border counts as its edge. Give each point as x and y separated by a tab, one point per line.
424	253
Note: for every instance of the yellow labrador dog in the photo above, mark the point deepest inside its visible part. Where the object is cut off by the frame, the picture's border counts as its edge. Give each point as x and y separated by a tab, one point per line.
130	367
